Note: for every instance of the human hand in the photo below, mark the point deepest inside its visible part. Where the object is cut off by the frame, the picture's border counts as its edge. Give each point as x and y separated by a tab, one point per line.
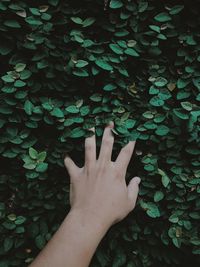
99	189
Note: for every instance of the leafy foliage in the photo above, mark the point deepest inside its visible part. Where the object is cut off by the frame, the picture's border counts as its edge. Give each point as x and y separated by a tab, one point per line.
69	65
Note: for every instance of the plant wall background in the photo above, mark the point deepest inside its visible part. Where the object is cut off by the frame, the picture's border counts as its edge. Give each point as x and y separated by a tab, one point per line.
68	65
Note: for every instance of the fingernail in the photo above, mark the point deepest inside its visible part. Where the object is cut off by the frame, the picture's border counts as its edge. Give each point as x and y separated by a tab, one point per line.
111	124
138	180
66	155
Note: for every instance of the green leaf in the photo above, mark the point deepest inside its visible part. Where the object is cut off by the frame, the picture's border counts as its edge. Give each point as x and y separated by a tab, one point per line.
7	78
29	166
81	73
155	28
122	129
20	230
195	215
96	97
165	178
156	101
115	4
12	24
81	63
150	125
19	83
176	242
160	82
8	244
53	2
162	130
158	196
130	123
5	110
131	52
190	41
5	48
196	251
20	220
153	90
89	21
32	174
25	74
123	71
33	153
187	105
9	225
182	95
12	217
148	115
103	64
151	209
174	218
33	21
119	258
176	9
181	83
41	167
77	20
196	82
77	132
149	167
84	110
109	87
162	17
159	118
47	106
28	107
164	94
180	113
116	49
35	11
57	112
20	67
72	109
12	131
122	43
142	6
42	156
40	241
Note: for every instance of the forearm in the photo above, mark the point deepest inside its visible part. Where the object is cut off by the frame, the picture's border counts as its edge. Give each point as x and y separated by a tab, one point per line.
75	242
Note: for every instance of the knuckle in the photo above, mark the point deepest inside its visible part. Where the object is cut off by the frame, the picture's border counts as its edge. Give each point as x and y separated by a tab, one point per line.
119	173
101	167
107	140
88	146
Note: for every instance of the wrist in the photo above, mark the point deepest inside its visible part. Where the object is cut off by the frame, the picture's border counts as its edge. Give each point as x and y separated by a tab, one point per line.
90	219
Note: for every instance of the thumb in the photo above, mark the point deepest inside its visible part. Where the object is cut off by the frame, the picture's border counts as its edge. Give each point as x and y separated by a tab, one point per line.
133	189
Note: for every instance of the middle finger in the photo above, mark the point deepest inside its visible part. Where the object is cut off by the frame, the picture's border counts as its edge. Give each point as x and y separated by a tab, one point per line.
107	144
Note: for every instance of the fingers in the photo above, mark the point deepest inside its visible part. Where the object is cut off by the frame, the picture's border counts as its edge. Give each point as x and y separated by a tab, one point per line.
72	168
133	189
124	156
90	149
105	153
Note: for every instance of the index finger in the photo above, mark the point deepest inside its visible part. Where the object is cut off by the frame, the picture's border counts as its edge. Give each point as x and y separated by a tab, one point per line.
90	149
124	156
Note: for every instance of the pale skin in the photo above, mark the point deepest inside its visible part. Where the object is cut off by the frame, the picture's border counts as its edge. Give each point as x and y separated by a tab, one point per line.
99	197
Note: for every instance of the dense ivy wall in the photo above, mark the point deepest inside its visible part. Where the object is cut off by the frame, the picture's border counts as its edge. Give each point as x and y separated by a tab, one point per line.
68	65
